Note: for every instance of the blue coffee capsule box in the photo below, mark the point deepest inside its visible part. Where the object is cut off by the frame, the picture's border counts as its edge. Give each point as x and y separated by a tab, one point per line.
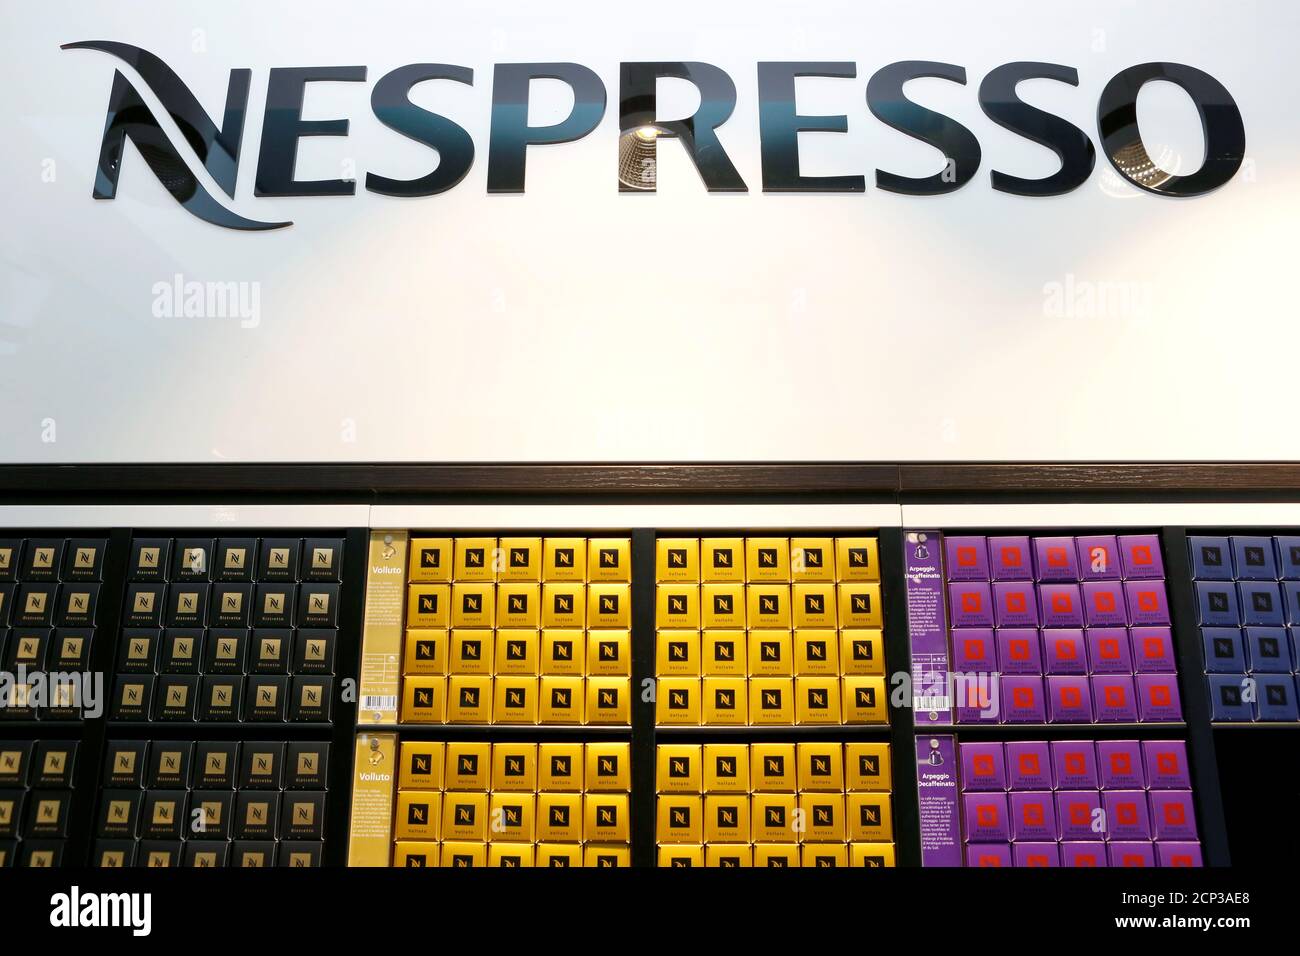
1216	603
1254	558
1211	558
1224	651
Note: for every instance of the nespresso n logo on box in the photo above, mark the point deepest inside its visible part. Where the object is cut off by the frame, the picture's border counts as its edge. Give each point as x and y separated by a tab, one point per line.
564	557
430	557
519	557
724	699
564	604
676	557
608	556
722	604
471	603
474	557
678	651
609	604
722	558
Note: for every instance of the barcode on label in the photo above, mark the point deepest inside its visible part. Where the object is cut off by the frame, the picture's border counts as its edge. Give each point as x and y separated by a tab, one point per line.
931	703
379	702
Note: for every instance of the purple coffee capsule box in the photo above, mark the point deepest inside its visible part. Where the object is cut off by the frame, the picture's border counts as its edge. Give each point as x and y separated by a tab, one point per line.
1131	853
973	649
1069	700
1113	699
1019	650
1098	557
1139	556
1029	765
1022	699
1036	854
1033	815
1055	559
1121	765
1015	604
1083	854
974	701
988	854
1103	604
1074	763
970	604
1126	814
1109	651
1076	811
1172	814
1153	650
1166	764
1146	601
983	767
985	815
966	558
1059	605
1178	853
1064	651
1158	697
1009	558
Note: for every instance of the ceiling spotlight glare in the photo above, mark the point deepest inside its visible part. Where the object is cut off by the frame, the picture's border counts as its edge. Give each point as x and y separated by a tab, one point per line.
636	158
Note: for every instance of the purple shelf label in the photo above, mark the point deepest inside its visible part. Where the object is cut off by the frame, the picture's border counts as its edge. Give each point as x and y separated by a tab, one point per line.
927	628
937	793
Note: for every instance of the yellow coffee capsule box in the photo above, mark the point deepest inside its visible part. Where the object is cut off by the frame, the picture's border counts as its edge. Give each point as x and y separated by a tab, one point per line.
428	605
722	560
767	605
860	604
678	768
476	559
564	604
868	817
472	651
469	699
424	700
864	700
510	855
559	817
866	767
772	767
677	559
514	700
521	559
728	855
772	818
415	854
469	765
458	854
722	605
677	653
417	815
512	817
856	559
817	700
607	855
771	653
605	817
723	654
608	767
609	559
767	559
776	854
559	767
421	765
679	818
564	559
771	700
559	854
518	605
609	605
609	653
724	700
816	652
430	560
561	700
821	766
871	854
473	604
514	766
517	651
464	816
425	651
564	652
677	700
726	768
862	651
812	559
681	856
677	606
726	818
607	700
813	605
824	854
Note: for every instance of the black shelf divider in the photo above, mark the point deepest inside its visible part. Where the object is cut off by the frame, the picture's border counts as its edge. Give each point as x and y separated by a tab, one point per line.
902	729
642	704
